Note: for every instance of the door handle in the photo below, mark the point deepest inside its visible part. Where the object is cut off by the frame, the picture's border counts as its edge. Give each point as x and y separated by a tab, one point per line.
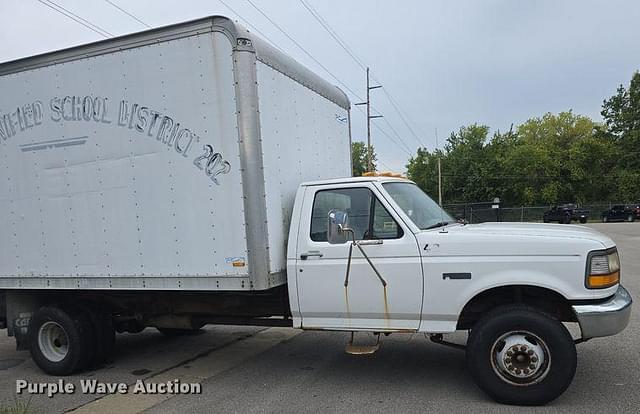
370	242
315	253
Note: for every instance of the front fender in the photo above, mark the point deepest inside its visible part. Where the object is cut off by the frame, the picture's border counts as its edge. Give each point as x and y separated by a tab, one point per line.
446	297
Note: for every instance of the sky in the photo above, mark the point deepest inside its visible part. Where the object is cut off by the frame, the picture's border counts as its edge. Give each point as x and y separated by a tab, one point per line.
442	64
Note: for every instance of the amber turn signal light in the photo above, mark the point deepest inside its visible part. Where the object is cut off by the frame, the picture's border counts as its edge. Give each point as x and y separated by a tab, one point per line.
603	281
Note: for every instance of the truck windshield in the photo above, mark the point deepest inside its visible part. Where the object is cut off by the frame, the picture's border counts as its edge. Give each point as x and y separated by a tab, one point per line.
421	209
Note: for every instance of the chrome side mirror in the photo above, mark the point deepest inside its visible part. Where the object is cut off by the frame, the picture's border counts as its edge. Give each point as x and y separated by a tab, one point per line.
336	227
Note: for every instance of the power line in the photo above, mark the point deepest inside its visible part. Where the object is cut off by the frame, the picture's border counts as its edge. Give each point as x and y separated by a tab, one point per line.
316	61
323	22
397	134
334	34
127	13
384	165
303	49
102	32
248	23
284	32
86	23
396	106
386	134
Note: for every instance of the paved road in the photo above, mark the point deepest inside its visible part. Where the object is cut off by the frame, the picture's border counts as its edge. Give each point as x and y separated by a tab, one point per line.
277	370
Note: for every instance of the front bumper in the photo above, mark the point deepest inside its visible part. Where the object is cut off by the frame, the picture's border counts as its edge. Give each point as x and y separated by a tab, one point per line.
607	318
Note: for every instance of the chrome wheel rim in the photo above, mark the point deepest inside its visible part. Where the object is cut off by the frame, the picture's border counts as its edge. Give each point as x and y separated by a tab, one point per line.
53	341
520	358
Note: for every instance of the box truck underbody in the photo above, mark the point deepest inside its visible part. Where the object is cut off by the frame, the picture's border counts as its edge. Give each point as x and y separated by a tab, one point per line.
132	311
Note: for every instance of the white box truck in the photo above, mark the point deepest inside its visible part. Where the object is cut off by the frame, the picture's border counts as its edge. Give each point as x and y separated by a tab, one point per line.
193	175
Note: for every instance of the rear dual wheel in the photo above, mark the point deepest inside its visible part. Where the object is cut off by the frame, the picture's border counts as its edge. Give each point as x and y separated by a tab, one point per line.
518	355
63	340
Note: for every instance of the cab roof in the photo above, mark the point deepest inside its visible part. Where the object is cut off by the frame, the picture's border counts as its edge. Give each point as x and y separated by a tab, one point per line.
351	180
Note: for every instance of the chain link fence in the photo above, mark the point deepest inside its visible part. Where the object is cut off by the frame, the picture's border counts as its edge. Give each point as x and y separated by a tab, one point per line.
483	212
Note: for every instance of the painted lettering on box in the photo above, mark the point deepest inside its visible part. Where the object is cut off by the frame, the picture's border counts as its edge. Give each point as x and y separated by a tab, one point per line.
97	109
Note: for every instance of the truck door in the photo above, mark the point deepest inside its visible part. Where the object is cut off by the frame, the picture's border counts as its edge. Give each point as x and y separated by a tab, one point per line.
363	302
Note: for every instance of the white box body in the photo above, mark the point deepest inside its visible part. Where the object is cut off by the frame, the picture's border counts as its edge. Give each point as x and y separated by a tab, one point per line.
163	160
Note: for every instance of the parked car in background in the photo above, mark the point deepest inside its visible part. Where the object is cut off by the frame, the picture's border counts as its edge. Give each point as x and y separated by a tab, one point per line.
635	208
565	213
619	213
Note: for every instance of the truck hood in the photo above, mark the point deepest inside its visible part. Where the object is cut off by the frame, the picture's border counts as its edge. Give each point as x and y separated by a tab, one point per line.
565	231
509	239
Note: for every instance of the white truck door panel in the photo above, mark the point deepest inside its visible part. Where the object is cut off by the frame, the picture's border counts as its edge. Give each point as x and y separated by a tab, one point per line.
325	302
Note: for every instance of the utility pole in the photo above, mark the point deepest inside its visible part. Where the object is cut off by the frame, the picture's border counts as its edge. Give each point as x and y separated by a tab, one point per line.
369	118
439	174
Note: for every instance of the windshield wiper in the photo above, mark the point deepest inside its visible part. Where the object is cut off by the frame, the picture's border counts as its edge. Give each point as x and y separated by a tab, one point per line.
439	224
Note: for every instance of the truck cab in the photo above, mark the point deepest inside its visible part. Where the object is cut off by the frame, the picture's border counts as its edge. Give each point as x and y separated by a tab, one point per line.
377	254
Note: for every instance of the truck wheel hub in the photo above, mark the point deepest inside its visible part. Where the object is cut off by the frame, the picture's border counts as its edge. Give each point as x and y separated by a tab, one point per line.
53	341
520	358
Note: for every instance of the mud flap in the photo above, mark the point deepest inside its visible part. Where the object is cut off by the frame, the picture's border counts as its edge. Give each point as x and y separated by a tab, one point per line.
20	308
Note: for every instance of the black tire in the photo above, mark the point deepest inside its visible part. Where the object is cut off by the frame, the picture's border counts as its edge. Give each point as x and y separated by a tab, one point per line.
545	220
583	220
104	338
171	332
567	220
552	375
76	332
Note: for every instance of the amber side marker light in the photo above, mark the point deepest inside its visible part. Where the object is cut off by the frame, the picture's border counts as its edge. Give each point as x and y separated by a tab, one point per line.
603	270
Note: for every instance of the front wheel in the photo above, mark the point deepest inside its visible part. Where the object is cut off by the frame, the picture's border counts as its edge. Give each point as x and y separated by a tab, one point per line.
583	220
518	355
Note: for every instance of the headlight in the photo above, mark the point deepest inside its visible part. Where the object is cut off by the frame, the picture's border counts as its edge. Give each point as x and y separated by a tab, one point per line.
603	269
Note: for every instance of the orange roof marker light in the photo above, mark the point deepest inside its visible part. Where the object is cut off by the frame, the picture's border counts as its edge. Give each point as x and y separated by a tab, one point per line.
383	174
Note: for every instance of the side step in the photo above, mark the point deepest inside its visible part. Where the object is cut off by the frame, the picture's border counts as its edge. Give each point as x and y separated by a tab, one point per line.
353	349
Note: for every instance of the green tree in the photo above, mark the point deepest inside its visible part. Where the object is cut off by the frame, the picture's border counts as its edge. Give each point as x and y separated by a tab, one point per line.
550	159
464	168
423	170
621	113
557	158
359	158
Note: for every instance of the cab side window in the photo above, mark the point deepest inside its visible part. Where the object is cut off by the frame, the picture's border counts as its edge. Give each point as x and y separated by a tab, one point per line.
367	216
